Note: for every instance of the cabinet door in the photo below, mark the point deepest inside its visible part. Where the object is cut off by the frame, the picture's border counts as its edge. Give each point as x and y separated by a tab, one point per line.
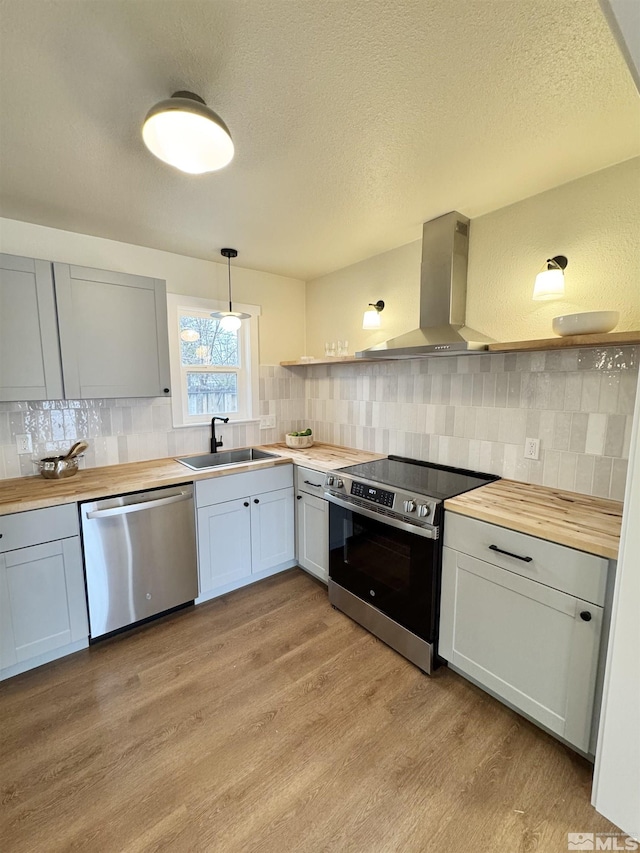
113	333
42	600
272	536
224	543
29	351
529	644
312	535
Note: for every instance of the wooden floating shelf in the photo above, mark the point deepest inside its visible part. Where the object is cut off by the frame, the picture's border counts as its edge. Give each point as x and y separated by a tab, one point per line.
541	345
338	359
607	339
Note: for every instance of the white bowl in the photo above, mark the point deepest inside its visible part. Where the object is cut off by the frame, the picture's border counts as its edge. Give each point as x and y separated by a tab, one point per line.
299	442
586	323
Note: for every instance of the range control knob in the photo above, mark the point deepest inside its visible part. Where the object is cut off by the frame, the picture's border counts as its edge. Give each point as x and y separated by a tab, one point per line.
409	506
423	510
338	484
329	481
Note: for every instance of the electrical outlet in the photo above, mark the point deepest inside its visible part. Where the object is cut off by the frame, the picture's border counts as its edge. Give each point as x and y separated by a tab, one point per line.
532	448
23	443
267	422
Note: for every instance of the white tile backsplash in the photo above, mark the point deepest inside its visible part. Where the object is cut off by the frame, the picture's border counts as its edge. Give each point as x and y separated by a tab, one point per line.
131	430
468	411
476	411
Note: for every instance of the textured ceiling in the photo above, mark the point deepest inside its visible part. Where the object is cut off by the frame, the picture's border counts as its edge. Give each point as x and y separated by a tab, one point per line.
354	120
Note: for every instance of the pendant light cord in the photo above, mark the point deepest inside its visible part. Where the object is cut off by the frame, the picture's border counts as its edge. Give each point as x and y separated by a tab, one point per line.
229	266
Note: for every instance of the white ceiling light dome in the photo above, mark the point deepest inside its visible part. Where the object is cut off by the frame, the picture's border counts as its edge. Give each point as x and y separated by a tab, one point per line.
184	132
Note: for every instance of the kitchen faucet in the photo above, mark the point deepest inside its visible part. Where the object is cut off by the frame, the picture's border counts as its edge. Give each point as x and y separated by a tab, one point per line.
215	444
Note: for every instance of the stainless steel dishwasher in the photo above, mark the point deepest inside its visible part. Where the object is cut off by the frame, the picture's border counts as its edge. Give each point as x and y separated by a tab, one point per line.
140	556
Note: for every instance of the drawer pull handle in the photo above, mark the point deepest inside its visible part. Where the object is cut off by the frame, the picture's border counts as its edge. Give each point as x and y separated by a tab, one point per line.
585	616
509	554
298	497
256	501
246	503
315	485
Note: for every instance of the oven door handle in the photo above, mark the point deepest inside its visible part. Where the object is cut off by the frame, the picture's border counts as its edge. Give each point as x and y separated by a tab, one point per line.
426	532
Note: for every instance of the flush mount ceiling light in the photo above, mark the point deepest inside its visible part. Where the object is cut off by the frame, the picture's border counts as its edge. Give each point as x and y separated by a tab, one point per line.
371	319
189	335
550	280
184	132
230	320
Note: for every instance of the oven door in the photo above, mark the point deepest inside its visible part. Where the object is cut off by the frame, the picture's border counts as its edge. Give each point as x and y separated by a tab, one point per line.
395	570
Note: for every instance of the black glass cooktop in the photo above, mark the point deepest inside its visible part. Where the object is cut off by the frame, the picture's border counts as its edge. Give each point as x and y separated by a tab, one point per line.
423	478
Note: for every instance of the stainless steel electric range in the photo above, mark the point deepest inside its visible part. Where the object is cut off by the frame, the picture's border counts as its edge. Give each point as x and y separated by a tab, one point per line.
385	548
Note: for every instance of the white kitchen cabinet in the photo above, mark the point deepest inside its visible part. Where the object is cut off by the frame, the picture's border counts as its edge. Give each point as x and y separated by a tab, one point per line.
43	613
312	523
272	536
30	366
224	539
532	645
245	528
113	333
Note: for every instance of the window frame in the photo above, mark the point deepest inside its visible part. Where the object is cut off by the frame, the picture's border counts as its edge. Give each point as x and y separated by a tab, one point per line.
247	372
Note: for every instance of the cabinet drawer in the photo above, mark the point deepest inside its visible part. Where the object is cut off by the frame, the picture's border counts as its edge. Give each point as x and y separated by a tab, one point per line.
310	481
21	529
234	486
565	569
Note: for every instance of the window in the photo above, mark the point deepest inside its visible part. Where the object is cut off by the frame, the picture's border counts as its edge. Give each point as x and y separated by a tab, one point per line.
214	372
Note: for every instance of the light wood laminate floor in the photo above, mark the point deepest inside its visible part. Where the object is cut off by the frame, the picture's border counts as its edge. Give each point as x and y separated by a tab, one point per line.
267	721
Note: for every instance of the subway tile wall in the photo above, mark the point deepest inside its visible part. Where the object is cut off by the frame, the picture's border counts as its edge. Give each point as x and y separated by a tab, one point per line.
469	411
131	430
475	411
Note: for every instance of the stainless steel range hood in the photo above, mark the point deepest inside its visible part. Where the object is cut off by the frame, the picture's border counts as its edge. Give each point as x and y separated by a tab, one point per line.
443	296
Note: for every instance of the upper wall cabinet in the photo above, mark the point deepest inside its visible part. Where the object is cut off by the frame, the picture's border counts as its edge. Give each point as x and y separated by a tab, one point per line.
29	352
113	333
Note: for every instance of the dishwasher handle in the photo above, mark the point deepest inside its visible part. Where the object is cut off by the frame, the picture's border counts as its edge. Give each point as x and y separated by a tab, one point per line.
125	510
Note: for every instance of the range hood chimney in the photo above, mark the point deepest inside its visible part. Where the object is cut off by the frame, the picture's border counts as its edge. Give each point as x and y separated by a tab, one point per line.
443	297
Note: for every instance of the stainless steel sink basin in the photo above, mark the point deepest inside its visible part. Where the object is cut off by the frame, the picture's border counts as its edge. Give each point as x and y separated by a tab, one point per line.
225	457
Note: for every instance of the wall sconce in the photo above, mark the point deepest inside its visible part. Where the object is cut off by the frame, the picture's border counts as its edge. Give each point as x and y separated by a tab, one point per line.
550	280
371	318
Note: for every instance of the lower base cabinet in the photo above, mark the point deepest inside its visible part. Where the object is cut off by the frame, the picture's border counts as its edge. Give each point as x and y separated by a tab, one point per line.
242	537
532	645
312	529
312	523
43	613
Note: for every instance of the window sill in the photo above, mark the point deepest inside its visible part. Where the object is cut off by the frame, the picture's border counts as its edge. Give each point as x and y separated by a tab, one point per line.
219	425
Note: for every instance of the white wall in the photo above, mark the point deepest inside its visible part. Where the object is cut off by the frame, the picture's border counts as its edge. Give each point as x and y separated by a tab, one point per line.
623	17
282	299
336	302
594	221
616	791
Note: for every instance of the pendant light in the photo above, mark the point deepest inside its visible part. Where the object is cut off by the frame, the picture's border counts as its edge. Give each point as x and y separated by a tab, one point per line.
549	282
230	320
184	132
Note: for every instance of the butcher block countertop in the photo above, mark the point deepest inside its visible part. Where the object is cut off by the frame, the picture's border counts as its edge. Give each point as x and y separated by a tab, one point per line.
324	457
25	493
579	521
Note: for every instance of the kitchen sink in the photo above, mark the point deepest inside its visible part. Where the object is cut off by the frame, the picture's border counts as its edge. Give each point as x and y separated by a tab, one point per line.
225	457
